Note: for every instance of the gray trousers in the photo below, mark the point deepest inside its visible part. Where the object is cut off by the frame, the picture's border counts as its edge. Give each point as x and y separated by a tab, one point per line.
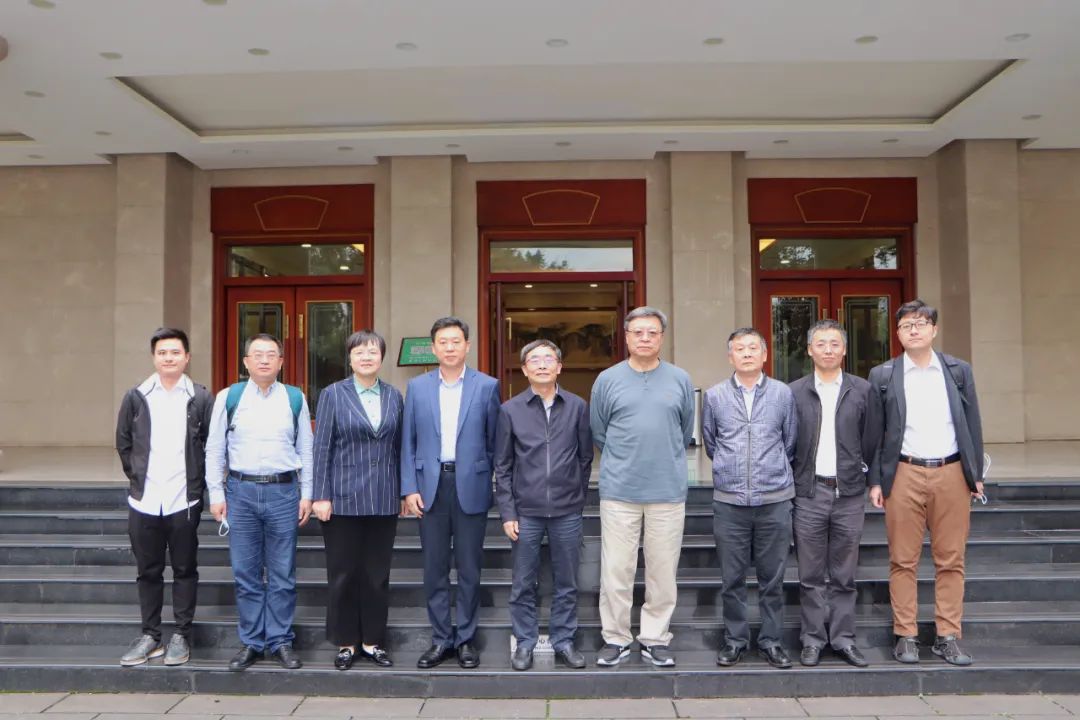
827	534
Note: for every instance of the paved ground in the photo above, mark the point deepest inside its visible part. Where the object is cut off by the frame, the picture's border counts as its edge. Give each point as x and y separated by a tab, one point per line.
142	706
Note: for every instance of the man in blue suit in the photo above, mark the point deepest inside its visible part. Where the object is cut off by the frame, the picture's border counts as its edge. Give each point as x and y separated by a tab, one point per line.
447	447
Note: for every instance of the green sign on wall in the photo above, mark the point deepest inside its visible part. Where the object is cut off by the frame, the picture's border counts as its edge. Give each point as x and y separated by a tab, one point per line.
416	351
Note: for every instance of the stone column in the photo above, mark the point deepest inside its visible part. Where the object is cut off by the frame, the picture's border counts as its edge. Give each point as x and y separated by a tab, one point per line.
981	276
421	261
703	263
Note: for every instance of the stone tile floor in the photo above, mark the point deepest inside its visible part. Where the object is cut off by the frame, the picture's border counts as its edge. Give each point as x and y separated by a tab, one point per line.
149	706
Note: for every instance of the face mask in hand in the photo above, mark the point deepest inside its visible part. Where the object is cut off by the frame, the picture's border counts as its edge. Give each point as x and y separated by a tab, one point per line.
223	528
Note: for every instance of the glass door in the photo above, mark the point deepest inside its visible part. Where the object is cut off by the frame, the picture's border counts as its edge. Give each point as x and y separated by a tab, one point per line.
253	310
865	309
326	316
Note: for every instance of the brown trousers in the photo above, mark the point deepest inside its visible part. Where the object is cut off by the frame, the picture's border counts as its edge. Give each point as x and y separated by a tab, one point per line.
938	499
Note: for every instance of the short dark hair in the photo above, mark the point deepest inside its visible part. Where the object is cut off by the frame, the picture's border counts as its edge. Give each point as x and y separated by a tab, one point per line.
917	307
826	324
743	332
263	336
538	344
449	321
366	337
168	333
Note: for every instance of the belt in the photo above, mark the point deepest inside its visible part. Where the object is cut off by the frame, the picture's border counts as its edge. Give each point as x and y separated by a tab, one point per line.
827	481
285	477
447	467
930	462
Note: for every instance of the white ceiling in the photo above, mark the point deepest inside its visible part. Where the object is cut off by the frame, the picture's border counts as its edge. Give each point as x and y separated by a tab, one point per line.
635	77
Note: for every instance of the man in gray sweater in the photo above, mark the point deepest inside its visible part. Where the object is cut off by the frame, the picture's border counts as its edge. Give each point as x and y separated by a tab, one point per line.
642	417
749	427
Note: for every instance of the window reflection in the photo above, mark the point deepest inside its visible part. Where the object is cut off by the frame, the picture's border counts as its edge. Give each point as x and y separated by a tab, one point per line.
515	256
296	260
828	253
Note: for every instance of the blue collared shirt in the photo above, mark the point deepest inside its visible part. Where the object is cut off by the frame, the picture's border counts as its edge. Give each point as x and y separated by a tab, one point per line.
369	398
449	410
261	441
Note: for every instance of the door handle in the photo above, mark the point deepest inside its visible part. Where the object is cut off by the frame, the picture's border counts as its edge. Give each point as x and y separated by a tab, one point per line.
286	328
300	325
840	315
509	328
824	313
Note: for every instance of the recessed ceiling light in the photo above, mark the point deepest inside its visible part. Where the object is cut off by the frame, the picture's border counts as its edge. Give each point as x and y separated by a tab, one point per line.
785	261
33	94
1032	116
713	41
528	286
557	42
344	148
406	46
781	141
531	309
343	267
239	151
671	142
452	145
891	140
563	143
305	245
35	156
43	4
258	52
1017	37
594	284
102	133
866	39
109	55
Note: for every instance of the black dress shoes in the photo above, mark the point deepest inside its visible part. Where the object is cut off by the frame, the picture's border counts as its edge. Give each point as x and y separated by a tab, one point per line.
467	656
287	658
852	656
775	656
344	658
810	655
730	655
522	658
378	655
569	656
435	655
244	659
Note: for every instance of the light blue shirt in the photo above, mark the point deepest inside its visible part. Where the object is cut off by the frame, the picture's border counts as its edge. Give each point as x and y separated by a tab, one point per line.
369	398
261	441
449	409
748	393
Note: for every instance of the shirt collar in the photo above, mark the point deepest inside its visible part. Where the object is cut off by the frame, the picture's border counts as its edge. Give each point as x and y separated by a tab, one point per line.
154	383
819	383
456	383
374	389
534	396
757	383
270	391
910	365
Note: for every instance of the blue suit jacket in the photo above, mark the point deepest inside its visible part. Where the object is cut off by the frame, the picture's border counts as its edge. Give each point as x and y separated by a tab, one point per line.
421	441
356	467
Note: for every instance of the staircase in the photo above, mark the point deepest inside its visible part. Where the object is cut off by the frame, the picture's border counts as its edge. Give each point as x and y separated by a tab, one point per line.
68	608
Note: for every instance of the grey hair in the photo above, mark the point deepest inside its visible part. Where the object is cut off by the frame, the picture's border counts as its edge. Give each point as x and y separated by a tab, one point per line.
645	311
539	344
743	332
826	324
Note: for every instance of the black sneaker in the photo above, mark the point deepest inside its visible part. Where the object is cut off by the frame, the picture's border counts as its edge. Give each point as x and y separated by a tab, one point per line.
612	654
658	655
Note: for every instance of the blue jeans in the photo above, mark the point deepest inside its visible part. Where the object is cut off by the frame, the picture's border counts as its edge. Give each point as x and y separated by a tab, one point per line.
262	534
564	541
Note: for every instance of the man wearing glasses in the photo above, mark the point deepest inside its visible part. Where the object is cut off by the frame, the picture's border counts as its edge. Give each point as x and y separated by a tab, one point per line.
642	419
258	473
926	471
543	458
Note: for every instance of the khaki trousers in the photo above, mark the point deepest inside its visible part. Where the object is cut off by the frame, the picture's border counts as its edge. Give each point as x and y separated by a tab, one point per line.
938	499
621	525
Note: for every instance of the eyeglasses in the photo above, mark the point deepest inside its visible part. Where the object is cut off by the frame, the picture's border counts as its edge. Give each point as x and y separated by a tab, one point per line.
360	352
641	334
272	355
914	325
541	360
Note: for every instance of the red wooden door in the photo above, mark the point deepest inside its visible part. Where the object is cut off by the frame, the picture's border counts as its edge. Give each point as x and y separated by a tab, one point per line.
253	310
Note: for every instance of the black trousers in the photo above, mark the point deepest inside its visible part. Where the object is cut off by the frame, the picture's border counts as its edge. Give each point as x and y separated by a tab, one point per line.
358	553
151	536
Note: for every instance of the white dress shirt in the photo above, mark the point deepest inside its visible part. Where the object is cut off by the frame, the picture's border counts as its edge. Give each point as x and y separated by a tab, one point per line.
829	394
165	489
929	431
449	410
749	392
261	441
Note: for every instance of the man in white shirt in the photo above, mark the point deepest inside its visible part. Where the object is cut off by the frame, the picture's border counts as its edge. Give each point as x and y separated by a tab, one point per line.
927	469
160	438
839	428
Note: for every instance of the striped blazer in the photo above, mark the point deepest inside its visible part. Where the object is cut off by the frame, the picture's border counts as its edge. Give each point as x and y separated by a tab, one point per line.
356	467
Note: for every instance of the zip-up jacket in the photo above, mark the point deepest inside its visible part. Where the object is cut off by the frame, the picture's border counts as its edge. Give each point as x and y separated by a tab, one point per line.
858	429
133	440
751	456
542	465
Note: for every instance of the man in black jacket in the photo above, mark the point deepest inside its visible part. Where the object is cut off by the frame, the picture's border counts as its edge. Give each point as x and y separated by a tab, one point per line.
839	427
927	468
543	459
160	437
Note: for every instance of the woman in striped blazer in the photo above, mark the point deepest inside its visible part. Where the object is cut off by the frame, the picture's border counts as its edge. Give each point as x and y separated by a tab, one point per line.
357	499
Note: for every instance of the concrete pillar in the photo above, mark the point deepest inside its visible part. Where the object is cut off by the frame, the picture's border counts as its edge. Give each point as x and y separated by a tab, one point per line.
421	260
981	276
703	263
